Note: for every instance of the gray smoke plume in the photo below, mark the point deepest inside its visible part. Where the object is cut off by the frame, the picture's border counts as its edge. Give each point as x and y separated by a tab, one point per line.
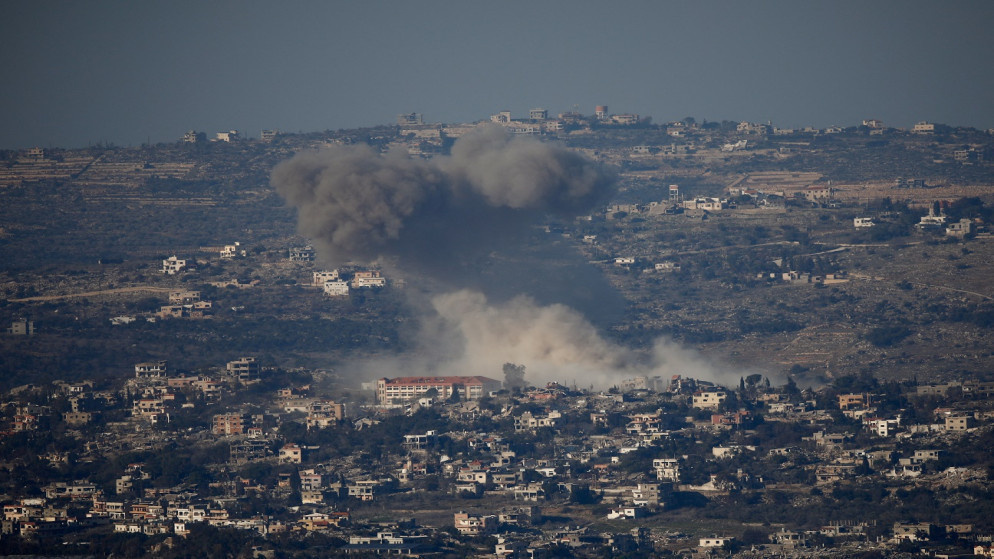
359	204
463	221
525	174
470	335
356	203
467	223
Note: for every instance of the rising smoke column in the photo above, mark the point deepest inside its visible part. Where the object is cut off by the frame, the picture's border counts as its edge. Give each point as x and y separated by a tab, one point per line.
526	174
553	341
556	342
356	203
464	220
471	335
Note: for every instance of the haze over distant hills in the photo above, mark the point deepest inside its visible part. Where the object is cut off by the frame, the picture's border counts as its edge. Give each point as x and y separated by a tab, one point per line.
79	74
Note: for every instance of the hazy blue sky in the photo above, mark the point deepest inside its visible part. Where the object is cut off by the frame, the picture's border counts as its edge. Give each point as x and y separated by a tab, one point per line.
81	72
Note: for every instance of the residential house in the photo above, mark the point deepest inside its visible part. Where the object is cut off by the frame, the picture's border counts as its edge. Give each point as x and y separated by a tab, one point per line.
152	369
173	265
183	297
231	251
529	422
367	279
521	515
419	441
752	128
302	254
75	490
914	532
309	480
709	399
959	422
707	204
364	490
390	543
322	277
853	401
291	454
960	229
882	427
731	419
474	524
643	424
647	494
245	369
229	424
21	328
336	288
323	413
714	542
667	469
532	492
633	511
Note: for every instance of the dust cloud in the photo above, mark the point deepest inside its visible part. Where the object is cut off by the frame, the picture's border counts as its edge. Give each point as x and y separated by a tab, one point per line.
490	289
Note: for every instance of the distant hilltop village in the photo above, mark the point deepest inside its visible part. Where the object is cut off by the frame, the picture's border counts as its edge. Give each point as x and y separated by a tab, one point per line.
540	122
413	124
706	142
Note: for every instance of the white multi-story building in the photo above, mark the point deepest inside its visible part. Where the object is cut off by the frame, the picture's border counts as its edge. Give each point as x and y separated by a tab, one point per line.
368	279
626	119
152	369
709	204
322	277
231	251
403	389
528	421
183	297
503	117
291	454
302	254
474	524
752	128
707	399
364	489
667	469
173	265
337	288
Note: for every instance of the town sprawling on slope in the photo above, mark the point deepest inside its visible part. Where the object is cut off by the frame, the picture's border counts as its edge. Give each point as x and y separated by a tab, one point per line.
184	375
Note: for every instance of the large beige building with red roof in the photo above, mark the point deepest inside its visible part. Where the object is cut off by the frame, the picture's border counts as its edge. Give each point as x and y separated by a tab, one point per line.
395	390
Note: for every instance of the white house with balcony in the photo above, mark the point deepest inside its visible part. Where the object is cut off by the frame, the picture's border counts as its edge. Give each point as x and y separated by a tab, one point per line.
173	265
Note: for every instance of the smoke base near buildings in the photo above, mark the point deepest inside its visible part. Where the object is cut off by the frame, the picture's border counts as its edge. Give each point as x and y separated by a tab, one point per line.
461	229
